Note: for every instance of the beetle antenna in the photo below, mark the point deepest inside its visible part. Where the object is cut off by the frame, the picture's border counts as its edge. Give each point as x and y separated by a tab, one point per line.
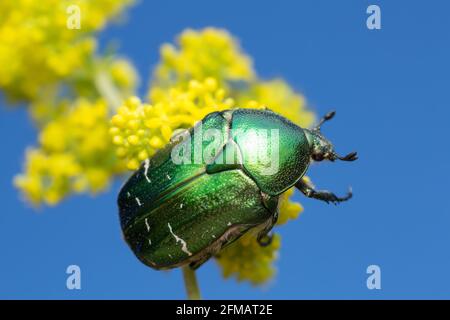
327	117
352	156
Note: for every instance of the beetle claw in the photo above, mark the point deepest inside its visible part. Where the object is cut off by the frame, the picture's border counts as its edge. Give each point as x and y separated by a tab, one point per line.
326	118
348	196
329	115
265	240
352	156
336	200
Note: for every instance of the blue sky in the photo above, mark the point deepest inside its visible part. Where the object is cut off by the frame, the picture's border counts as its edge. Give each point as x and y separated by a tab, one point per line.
390	88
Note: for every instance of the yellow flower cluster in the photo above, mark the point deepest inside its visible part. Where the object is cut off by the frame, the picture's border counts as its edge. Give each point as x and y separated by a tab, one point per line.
123	76
138	130
51	65
119	73
200	54
278	96
288	209
75	155
37	49
47	177
247	260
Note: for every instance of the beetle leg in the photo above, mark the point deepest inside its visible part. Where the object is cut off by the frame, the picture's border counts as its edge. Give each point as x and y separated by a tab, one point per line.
227	238
324	119
194	265
323	195
265	237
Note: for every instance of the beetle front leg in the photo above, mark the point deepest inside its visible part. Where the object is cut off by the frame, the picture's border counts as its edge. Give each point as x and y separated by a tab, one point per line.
323	195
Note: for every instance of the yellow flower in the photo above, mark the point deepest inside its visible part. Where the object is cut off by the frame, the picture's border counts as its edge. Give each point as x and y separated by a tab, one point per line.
123	75
48	177
287	209
278	96
247	260
200	54
75	155
44	109
37	49
138	129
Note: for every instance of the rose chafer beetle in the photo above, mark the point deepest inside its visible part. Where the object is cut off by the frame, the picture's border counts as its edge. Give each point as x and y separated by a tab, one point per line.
174	213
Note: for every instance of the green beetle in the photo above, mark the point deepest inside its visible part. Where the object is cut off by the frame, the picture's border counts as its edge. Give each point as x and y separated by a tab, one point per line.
199	194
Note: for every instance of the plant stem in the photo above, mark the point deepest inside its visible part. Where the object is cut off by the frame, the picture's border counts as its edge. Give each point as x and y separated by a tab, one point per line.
107	89
190	281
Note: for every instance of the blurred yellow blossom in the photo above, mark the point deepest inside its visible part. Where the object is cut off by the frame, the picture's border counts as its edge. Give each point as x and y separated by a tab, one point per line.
37	49
45	109
139	129
48	177
278	96
75	155
200	54
247	260
123	75
288	209
119	74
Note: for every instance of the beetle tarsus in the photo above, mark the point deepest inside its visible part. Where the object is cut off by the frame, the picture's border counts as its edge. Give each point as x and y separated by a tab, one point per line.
325	118
265	239
352	156
323	195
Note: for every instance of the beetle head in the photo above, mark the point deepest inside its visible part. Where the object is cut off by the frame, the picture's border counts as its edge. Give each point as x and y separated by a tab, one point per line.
321	148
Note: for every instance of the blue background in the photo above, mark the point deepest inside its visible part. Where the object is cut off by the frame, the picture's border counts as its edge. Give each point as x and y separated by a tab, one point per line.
391	90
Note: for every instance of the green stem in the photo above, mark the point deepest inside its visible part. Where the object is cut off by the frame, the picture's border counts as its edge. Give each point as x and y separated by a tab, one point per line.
190	281
107	89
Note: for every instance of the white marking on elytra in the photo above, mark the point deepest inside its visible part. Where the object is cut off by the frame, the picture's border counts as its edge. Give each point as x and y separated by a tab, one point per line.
150	242
146	166
168	177
181	206
147	225
178	239
138	201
